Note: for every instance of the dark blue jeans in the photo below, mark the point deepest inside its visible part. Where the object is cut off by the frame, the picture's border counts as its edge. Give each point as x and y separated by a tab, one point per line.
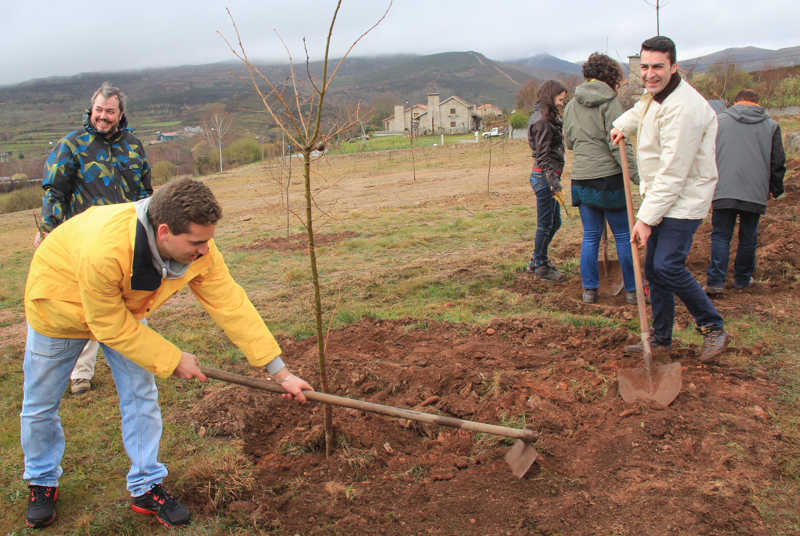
723	222
665	268
548	219
593	220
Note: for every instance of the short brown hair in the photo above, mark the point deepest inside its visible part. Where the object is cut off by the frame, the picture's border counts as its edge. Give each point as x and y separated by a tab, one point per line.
746	95
182	202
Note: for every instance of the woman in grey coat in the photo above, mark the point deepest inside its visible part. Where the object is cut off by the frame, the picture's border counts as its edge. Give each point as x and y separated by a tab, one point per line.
597	183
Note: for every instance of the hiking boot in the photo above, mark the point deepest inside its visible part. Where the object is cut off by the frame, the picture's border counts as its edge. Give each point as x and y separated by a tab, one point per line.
546	273
630	297
714	343
164	506
41	506
80	386
655	342
713	291
749	284
589	295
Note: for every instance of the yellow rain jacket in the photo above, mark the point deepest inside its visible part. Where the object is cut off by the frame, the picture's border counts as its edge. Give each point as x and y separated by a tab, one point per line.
79	287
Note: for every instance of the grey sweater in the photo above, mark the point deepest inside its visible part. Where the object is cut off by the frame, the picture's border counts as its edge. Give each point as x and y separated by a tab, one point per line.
751	161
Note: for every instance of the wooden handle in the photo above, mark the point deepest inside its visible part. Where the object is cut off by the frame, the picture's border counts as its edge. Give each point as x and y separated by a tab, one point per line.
637	268
528	435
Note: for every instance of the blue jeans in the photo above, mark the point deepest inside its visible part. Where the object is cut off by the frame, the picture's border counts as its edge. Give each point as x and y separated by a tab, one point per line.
723	222
548	219
47	367
593	220
665	268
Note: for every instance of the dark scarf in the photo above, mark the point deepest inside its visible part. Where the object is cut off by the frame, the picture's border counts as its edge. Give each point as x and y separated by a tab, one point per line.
674	80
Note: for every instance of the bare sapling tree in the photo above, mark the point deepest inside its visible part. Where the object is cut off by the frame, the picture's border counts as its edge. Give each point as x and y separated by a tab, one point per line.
489	171
411	143
279	169
722	80
296	106
215	129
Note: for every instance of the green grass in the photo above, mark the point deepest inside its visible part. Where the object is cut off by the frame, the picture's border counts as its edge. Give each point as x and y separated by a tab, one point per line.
386	143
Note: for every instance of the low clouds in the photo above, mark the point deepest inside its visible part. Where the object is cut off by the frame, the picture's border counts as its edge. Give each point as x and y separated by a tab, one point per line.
41	39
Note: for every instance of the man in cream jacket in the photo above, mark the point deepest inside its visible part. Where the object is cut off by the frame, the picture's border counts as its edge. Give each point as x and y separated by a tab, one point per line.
675	132
98	276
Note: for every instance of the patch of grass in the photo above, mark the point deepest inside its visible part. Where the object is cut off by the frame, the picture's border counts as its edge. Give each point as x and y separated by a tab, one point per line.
415	472
24	199
221	475
593	321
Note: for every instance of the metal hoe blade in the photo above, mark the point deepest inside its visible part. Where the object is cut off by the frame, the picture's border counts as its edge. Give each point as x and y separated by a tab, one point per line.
521	456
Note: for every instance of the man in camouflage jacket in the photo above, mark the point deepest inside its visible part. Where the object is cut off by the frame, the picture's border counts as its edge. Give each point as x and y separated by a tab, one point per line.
101	164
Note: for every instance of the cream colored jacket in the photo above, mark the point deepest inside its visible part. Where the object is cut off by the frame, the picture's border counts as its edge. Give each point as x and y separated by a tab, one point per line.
675	153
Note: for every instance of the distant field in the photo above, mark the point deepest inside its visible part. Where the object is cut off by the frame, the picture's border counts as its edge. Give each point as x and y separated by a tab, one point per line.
162	124
399	142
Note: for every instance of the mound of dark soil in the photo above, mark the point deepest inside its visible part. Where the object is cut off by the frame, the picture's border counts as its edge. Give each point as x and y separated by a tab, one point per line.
691	466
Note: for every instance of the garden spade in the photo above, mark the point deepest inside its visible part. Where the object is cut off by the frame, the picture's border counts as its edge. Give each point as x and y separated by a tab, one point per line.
520	457
611	282
662	383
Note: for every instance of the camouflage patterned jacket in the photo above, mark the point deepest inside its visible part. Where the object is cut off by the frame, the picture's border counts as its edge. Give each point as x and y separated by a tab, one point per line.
86	169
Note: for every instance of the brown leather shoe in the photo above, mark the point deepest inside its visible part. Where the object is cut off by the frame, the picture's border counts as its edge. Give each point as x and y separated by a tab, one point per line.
654	343
546	273
589	295
714	343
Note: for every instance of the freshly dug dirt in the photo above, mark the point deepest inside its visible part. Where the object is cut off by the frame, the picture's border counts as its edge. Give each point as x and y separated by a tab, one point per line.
608	466
295	242
695	467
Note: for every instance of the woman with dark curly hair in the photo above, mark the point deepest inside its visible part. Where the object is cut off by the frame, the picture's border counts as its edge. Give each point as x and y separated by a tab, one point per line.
597	183
545	138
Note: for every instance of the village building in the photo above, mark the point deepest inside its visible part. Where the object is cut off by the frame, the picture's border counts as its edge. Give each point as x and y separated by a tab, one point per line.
453	115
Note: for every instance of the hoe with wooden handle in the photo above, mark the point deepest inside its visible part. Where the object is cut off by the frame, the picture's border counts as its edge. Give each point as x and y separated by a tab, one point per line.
520	457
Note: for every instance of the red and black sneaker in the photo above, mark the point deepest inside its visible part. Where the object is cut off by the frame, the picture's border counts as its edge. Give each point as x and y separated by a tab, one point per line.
41	506
168	510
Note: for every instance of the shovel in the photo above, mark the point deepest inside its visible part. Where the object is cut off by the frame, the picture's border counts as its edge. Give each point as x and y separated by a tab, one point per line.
661	384
520	457
611	282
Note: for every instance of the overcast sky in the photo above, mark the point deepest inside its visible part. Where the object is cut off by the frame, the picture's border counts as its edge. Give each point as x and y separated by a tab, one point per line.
41	38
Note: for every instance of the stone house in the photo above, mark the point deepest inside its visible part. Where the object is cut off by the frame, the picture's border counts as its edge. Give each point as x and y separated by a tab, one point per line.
453	115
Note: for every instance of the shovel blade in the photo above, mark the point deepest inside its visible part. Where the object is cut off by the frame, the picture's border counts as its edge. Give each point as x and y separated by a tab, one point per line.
662	386
520	458
611	282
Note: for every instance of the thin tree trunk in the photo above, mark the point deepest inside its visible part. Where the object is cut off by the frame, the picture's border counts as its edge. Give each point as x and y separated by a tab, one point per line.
312	256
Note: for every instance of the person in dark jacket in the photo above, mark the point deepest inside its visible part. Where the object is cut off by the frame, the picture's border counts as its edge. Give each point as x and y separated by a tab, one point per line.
101	164
597	188
545	138
751	164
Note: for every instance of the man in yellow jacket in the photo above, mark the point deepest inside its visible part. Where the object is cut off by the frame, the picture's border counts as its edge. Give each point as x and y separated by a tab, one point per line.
98	276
